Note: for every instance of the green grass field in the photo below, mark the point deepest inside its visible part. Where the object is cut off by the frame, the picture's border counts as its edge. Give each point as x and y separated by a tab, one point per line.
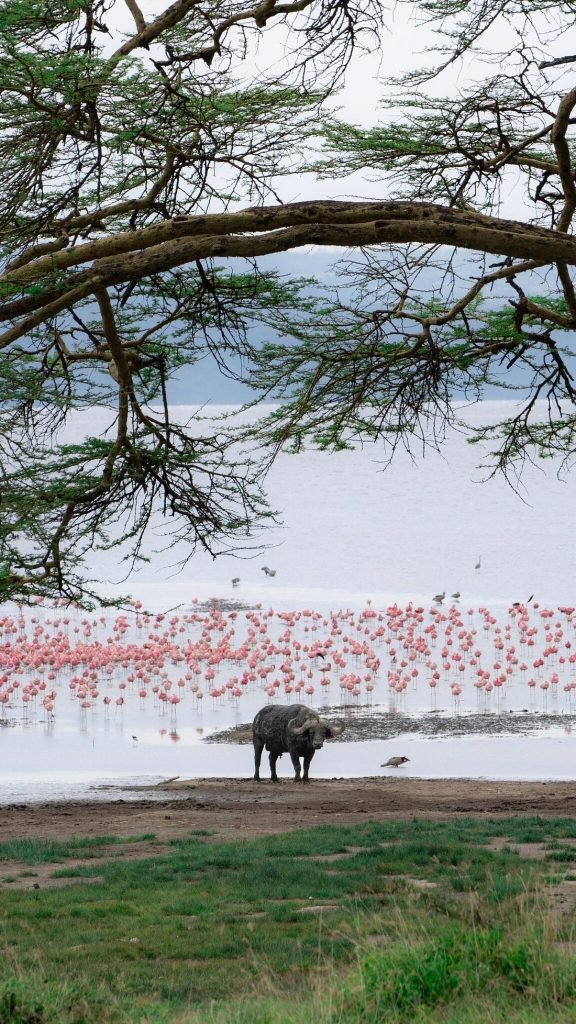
397	921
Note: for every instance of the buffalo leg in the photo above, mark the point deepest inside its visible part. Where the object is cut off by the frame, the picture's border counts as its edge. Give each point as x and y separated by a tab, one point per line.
296	762
258	748
273	759
307	759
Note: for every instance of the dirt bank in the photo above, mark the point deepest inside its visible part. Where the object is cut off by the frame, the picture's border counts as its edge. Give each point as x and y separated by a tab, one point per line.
235	808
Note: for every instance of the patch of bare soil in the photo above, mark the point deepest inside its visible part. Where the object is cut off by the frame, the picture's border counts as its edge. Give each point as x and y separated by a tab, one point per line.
528	851
55	874
243	809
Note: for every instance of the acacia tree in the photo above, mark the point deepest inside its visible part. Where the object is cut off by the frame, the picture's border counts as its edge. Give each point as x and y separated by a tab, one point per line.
139	166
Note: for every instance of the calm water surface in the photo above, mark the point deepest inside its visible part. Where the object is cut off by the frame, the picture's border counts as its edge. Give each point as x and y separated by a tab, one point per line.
354	538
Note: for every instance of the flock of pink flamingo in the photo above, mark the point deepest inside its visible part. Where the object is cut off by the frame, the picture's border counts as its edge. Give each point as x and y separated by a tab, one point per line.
54	656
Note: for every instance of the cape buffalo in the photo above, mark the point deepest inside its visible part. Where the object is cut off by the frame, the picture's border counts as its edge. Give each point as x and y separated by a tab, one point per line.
295	730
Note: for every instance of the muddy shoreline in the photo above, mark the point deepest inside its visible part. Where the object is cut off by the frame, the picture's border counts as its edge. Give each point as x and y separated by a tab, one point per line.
243	809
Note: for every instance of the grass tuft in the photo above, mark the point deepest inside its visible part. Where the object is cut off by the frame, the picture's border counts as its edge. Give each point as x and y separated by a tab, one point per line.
47	851
456	964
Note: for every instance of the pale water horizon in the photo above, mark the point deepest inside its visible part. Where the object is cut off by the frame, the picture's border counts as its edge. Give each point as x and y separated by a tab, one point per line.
354	529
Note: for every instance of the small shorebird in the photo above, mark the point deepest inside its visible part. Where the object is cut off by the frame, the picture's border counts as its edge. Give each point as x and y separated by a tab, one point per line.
438	598
235	581
268	571
477	566
394	762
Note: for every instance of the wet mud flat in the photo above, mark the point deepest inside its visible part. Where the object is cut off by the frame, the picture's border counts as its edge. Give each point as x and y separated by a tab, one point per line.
364	725
240	809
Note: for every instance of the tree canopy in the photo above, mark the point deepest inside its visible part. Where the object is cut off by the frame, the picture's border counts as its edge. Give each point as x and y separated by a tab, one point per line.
141	162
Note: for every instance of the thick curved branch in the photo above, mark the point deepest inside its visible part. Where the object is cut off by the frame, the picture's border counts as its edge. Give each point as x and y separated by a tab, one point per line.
393	222
311	224
558	137
136	13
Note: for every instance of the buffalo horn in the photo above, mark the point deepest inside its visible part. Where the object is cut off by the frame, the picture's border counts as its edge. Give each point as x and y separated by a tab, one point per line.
335	726
297	730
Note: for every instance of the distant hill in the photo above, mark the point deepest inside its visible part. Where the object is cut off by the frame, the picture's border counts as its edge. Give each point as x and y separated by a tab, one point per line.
204	384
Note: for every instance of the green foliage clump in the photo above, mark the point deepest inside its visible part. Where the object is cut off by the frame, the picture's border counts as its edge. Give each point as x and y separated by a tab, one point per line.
454	964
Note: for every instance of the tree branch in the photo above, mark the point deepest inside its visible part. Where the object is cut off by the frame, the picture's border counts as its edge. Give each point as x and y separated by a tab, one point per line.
137	15
558	137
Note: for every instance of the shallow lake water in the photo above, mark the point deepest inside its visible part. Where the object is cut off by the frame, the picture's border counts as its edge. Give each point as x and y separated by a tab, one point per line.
357	564
111	700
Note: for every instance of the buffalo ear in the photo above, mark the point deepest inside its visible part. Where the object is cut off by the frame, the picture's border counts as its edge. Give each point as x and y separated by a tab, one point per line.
334	728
